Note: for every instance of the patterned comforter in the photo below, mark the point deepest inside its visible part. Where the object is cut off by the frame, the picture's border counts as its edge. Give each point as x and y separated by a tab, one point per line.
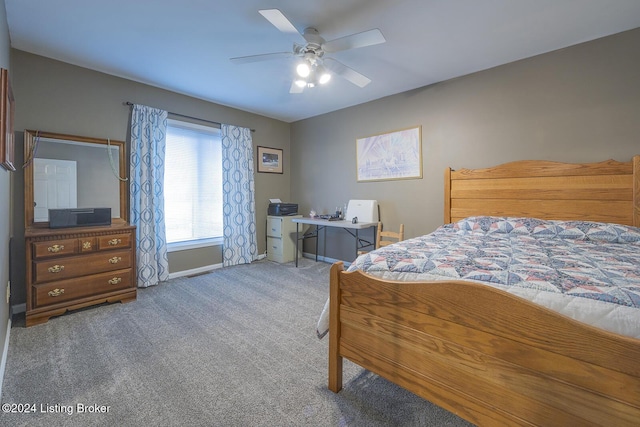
585	270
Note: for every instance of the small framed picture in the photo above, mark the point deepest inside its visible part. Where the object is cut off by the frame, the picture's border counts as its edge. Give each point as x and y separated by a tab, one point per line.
269	160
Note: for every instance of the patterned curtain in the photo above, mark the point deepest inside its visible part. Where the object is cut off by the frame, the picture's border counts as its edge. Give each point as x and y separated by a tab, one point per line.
148	141
238	196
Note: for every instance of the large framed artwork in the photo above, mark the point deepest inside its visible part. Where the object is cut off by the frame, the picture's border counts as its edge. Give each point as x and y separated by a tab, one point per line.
269	160
394	155
7	153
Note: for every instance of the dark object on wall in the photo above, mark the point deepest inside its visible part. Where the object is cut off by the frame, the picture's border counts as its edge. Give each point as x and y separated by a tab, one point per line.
7	151
283	209
81	217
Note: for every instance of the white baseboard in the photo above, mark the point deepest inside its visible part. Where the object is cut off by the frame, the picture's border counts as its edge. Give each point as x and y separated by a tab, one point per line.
204	269
325	259
5	352
194	271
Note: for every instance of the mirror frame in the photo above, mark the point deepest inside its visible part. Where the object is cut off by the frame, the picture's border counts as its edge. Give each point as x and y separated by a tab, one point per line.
29	141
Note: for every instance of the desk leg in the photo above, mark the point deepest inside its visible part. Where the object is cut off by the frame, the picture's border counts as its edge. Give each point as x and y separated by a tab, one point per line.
297	237
318	238
357	242
375	239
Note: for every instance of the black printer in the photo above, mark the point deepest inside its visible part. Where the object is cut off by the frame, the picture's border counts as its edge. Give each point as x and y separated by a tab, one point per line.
283	209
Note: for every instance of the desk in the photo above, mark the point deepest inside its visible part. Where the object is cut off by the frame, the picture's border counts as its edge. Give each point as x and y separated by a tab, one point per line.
321	224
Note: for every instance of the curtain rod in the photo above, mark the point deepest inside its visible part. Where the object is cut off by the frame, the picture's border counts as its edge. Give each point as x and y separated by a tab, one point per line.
128	103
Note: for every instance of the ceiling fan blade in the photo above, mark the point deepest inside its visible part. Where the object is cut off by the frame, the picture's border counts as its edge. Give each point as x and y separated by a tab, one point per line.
365	38
295	88
279	21
346	73
263	57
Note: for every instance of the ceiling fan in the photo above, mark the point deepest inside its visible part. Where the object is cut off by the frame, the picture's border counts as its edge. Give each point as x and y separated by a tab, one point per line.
313	65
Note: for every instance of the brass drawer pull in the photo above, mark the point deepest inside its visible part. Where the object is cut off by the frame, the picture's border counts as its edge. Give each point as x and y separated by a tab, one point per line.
115	260
114	242
55	248
56	292
56	268
115	280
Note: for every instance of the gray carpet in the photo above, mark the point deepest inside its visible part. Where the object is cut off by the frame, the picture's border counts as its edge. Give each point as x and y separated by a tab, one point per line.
235	347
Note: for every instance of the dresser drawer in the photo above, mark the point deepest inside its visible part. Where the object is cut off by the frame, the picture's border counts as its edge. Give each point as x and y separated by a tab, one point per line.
87	244
114	241
71	289
63	268
55	248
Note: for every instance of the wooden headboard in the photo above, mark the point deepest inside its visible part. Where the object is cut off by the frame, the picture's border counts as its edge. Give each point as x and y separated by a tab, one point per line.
608	191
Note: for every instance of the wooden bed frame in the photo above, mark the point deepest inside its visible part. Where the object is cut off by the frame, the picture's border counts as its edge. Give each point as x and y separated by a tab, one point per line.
481	353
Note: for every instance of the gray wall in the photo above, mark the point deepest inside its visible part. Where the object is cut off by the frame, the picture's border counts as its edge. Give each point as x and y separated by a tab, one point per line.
57	97
579	104
5	196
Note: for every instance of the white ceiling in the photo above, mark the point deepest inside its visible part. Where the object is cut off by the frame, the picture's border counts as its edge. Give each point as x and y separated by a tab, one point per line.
185	45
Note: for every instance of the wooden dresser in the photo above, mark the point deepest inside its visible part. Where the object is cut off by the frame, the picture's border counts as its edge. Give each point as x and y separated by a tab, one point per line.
72	268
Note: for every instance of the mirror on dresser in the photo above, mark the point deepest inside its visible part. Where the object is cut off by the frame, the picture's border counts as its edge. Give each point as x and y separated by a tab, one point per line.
69	171
75	264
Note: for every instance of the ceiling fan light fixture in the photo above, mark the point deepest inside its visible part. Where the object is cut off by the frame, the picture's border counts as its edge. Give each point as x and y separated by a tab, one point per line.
303	69
310	54
323	75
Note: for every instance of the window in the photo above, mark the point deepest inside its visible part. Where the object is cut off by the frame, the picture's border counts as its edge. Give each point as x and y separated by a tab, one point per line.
192	185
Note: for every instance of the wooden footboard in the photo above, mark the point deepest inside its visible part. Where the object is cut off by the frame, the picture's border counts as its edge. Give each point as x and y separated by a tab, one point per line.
483	354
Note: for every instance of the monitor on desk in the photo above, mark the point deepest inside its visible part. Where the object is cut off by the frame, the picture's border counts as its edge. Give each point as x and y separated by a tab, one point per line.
364	210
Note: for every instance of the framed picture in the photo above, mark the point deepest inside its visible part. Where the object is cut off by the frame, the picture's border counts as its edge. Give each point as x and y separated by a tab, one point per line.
269	160
394	155
7	153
